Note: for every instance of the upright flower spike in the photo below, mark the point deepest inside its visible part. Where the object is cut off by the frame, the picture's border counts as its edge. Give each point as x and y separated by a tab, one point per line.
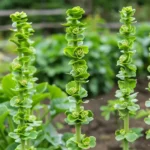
76	51
126	105
22	72
147	104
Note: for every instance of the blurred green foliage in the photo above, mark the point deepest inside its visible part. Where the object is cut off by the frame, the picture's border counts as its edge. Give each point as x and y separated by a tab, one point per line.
102	57
49	100
109	9
103	54
106	8
37	4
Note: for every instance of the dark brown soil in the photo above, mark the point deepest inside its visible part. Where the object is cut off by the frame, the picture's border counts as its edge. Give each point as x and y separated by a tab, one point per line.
104	130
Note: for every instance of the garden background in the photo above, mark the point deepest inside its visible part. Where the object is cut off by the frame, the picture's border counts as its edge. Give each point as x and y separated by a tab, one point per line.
101	36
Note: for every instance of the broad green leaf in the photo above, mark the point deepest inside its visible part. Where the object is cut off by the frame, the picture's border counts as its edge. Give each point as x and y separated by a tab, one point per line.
72	88
8	84
131	137
3	114
92	141
42	87
147	121
59	105
37	98
129	84
119	137
141	114
148	134
148	68
138	131
3	96
147	103
56	92
41	93
12	146
32	135
135	107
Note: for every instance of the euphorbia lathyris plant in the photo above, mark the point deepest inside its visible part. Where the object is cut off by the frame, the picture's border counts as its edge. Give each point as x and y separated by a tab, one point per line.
147	103
22	72
126	105
76	51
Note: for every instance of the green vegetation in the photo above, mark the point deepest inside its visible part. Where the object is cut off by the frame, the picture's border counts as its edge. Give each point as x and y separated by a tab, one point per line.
147	104
75	50
28	108
126	103
21	97
103	50
22	74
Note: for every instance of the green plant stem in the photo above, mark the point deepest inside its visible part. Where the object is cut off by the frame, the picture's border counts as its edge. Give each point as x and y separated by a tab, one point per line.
11	125
78	126
1	147
22	141
23	145
78	132
3	136
28	141
45	113
126	127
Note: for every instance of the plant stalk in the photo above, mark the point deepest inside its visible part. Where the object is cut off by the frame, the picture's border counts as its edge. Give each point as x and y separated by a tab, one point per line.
78	132
78	126
11	125
3	136
126	127
23	144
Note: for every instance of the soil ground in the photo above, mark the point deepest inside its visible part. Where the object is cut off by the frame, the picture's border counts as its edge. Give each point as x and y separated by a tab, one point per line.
104	130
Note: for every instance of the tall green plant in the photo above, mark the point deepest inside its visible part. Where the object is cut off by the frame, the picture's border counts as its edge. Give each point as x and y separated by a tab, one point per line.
22	72
126	105
75	50
147	104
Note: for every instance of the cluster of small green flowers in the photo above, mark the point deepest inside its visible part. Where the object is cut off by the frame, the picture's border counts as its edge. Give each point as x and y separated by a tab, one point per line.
76	51
22	72
147	104
127	98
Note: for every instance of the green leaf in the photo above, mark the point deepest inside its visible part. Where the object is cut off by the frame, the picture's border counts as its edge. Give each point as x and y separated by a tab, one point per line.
37	98
147	120
148	134
32	135
41	93
135	107
141	114
148	68
11	146
92	141
131	137
56	92
8	84
59	105
59	101
68	51
71	145
127	86
147	103
119	137
138	131
3	114
75	12
72	88
83	93
42	87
